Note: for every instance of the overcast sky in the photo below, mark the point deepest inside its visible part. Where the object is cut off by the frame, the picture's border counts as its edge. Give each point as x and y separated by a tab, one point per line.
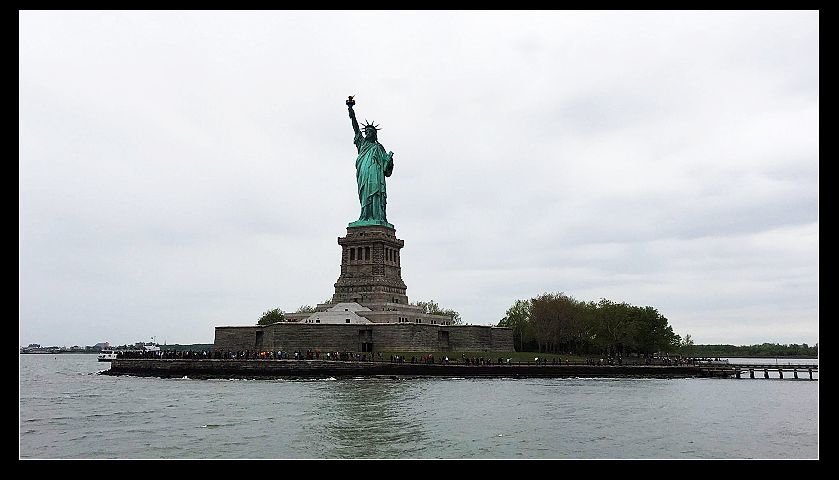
184	170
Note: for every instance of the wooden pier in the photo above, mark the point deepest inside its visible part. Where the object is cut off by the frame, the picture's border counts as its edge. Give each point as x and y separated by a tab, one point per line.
744	370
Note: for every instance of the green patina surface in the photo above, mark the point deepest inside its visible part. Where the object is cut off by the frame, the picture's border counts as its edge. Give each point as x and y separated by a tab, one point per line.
372	165
369	223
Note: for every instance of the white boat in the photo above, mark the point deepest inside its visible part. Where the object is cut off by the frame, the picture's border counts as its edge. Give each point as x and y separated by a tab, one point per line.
107	356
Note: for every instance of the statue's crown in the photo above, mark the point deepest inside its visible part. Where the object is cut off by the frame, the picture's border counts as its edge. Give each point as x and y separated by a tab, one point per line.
370	125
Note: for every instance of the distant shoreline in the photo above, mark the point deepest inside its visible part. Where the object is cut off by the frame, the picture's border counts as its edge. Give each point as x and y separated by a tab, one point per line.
58	353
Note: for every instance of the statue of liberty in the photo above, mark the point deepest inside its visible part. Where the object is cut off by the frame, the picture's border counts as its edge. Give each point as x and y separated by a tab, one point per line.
371	167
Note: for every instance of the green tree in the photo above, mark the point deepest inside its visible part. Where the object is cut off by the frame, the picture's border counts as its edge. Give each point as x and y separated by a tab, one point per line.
567	311
518	318
613	325
582	327
427	307
556	322
305	309
455	316
546	319
555	318
431	307
271	316
651	332
686	346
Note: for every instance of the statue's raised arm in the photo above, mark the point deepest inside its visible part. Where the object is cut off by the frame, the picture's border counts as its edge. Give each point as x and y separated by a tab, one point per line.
350	103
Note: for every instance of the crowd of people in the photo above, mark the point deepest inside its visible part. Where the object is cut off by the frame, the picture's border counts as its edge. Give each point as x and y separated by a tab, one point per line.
249	355
428	359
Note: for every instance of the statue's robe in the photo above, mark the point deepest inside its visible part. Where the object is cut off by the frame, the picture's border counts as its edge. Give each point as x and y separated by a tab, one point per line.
371	167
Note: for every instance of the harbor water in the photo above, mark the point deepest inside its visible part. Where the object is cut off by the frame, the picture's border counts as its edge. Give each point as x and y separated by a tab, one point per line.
69	411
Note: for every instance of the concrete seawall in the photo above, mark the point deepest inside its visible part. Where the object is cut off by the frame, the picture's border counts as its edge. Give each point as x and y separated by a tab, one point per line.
217	368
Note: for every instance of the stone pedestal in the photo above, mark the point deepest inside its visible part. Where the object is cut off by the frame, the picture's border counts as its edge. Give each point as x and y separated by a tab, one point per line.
370	267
